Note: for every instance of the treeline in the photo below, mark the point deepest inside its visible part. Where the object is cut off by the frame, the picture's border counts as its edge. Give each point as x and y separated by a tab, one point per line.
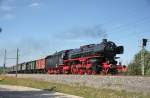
134	68
2	70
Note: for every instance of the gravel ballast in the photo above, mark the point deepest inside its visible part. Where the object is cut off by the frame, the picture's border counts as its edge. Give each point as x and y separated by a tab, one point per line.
127	83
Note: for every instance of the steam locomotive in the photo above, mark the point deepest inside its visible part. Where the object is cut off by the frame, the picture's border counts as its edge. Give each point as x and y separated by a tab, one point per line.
88	59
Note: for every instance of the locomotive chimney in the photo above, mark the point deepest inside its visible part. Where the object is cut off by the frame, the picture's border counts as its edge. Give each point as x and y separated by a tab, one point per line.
104	40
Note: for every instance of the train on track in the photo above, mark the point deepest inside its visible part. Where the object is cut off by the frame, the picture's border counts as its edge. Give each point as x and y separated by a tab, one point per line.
88	59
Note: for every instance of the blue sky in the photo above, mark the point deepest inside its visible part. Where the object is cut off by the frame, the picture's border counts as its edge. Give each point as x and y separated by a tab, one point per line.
41	27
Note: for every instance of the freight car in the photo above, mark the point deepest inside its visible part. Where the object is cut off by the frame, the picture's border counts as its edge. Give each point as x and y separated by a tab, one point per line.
40	66
30	66
88	59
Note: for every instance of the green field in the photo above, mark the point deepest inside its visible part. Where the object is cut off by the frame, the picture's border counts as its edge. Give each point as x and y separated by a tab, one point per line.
82	91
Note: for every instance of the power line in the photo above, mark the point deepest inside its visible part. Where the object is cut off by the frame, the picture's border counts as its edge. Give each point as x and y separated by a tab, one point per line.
129	24
130	13
125	29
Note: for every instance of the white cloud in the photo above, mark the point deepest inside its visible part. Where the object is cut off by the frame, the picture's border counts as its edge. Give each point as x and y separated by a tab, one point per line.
6	8
35	4
8	16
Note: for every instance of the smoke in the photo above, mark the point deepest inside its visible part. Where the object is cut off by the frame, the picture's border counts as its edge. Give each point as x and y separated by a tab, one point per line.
31	45
82	33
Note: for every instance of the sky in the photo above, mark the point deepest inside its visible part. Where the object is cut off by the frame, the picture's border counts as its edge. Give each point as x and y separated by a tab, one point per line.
41	27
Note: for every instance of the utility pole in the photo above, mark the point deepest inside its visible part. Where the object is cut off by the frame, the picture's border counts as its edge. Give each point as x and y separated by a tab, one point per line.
144	43
0	30
142	60
4	66
17	59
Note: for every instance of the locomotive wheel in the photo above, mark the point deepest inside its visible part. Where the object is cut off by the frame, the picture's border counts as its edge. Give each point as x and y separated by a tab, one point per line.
89	71
95	69
105	71
93	72
81	72
74	70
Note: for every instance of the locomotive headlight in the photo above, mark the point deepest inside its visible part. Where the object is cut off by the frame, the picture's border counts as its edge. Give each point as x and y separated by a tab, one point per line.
119	50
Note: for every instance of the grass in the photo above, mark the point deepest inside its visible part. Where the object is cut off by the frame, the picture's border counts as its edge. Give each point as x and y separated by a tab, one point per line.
82	91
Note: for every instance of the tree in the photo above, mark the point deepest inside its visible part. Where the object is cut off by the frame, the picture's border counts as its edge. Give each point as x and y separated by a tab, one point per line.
134	68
